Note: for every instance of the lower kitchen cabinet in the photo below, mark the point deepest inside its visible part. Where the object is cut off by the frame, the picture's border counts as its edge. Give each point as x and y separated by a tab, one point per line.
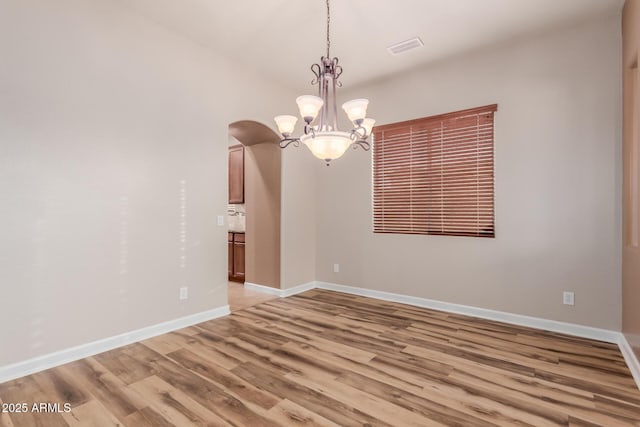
236	244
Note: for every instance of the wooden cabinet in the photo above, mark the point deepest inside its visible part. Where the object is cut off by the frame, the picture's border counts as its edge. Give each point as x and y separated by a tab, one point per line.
236	174
236	256
230	245
236	196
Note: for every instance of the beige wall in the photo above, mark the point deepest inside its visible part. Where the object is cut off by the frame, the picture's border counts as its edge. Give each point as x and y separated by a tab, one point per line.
262	201
299	206
106	121
631	232
557	190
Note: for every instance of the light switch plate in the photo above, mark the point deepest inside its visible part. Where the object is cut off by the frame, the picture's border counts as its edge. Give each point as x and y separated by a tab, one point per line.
220	220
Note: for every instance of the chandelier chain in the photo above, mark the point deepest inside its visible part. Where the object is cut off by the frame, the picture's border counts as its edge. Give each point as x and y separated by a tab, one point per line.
328	23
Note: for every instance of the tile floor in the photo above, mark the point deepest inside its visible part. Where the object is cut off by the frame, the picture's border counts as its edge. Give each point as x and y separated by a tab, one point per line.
241	298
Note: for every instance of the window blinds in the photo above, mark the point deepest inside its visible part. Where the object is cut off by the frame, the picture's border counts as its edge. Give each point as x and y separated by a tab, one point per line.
435	175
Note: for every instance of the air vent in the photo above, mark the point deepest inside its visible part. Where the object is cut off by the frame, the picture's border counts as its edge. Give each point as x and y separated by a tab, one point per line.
405	46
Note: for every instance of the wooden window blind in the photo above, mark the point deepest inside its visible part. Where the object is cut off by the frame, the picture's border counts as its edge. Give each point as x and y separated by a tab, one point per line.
435	175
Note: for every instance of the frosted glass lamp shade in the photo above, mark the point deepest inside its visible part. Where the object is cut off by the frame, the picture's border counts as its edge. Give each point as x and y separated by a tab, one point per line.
356	109
367	124
286	124
309	106
327	145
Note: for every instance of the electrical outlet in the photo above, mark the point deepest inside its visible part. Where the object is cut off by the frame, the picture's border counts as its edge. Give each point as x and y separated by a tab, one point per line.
336	268
184	292
568	298
220	220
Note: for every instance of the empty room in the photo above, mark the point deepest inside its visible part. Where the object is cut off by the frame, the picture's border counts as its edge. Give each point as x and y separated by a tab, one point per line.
319	213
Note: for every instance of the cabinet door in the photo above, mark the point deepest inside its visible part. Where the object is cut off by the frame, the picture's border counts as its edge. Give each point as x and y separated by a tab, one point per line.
230	244
238	260
236	174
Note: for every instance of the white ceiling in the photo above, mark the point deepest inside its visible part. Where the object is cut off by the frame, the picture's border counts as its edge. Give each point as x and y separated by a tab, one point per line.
282	38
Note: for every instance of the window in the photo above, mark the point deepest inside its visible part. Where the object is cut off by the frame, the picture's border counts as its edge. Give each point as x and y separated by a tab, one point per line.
435	175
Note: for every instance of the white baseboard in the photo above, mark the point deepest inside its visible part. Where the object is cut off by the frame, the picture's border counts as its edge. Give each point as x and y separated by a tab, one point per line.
37	364
299	289
282	293
262	288
630	358
515	319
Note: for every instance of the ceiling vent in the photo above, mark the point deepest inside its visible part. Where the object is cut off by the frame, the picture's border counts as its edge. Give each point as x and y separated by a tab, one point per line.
405	46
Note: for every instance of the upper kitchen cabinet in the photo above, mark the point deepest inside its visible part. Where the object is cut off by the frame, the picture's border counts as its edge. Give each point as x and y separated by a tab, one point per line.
236	174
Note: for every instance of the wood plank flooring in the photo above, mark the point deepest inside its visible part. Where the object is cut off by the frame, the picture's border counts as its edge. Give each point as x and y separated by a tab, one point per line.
324	358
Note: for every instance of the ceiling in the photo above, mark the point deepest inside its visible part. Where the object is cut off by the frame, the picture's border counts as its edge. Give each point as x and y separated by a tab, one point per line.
282	38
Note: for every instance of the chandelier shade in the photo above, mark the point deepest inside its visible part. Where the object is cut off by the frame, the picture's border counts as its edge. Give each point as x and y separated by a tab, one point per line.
356	109
367	124
324	139
286	124
309	106
327	146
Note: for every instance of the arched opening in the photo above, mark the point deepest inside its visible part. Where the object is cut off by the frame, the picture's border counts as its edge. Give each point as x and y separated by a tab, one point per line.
262	201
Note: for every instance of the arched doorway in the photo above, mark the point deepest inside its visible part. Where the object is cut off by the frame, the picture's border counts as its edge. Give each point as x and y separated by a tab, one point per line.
262	207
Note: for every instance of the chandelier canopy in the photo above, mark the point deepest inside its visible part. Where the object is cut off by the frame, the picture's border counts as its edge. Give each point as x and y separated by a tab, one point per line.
324	139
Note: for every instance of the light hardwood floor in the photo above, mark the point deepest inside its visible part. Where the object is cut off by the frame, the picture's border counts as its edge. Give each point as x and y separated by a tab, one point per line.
329	359
241	297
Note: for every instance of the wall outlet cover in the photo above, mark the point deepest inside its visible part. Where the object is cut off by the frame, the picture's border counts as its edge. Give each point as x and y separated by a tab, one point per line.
568	298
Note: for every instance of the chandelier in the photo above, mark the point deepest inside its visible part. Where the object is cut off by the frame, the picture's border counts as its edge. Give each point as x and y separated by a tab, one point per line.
324	139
